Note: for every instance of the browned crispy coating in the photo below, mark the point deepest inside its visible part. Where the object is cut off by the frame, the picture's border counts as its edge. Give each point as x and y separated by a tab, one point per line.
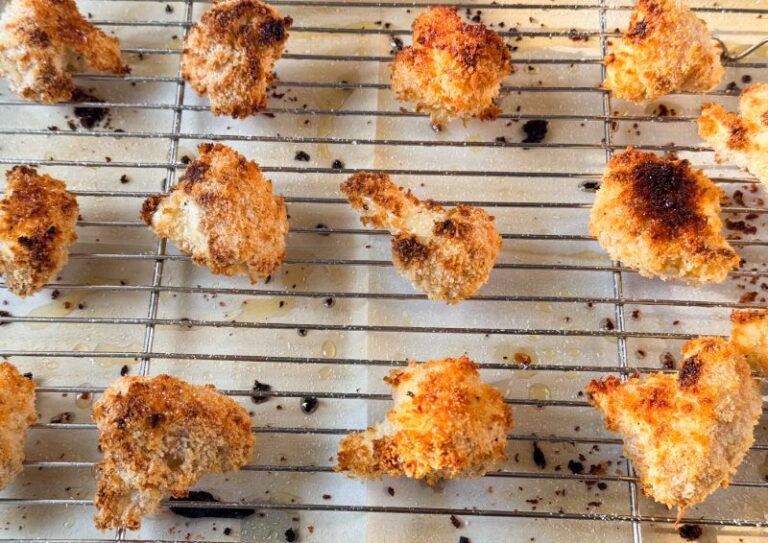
661	217
666	49
448	254
17	413
446	423
741	139
39	39
37	226
224	214
750	336
453	70
159	436
686	434
230	53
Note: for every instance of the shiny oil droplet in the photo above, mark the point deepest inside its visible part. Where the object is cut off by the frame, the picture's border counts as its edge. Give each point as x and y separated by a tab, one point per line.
69	523
52	365
539	392
84	399
329	350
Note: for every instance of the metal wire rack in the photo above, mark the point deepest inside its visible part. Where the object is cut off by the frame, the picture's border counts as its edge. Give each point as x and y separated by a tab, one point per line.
129	303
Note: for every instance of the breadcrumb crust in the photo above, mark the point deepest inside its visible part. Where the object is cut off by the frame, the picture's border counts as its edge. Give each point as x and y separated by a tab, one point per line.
686	434
448	254
17	413
661	217
453	70
159	436
445	424
37	227
666	49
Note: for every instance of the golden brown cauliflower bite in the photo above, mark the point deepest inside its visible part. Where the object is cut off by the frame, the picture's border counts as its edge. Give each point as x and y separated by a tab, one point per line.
17	413
453	70
666	49
159	436
446	423
230	53
685	433
37	226
223	213
39	39
448	254
741	139
749	335
661	217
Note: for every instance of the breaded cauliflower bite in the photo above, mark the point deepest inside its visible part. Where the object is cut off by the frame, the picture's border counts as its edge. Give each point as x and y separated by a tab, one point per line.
666	49
749	335
230	53
685	433
446	423
223	213
39	39
661	217
17	413
37	227
453	70
448	254
159	436
740	139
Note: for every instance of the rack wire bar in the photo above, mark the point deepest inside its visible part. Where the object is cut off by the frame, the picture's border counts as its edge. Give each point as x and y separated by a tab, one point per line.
176	121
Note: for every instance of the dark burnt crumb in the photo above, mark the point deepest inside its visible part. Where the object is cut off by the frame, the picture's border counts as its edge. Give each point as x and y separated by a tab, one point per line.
595	504
124	179
732	88
396	44
746	79
464	539
640	354
577	468
602	486
329	302
55	294
309	404
124	370
575	35
455	521
168	8
227	531
607	324
53	128
636	314
668	361
676	323
321	226
337	165
260	387
81	306
740	226
535	131
63	418
690	532
663	111
89	117
327	496
390	491
185	159
538	456
204	512
5	314
500	139
302	156
748	297
580	394
302	332
290	535
523	358
738	197
589	186
590	305
28	375
72	125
